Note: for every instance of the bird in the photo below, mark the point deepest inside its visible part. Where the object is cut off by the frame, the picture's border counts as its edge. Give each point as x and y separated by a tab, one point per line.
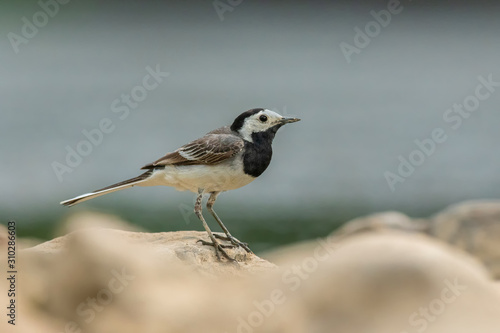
224	159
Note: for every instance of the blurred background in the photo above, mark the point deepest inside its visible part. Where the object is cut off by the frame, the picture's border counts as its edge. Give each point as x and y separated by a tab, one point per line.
65	70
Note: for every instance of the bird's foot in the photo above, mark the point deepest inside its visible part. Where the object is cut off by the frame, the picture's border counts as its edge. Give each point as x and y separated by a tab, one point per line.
234	242
219	248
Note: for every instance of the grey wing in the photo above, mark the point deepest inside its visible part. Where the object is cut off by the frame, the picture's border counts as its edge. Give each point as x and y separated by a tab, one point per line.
210	149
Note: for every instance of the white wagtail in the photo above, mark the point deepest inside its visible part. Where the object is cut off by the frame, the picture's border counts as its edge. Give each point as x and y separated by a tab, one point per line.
224	159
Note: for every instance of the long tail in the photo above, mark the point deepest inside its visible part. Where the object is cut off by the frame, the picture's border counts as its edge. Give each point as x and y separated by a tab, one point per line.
112	188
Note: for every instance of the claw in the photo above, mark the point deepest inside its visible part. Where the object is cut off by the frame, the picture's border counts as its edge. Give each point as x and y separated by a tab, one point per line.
219	248
234	242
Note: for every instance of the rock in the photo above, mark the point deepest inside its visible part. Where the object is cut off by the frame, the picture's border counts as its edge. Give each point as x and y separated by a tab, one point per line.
383	273
473	227
386	282
143	280
176	248
383	221
101	280
87	219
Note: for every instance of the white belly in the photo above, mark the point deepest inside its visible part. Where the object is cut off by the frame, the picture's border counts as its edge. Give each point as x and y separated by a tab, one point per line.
210	178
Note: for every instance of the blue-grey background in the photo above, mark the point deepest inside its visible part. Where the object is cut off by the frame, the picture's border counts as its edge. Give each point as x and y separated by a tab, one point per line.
358	117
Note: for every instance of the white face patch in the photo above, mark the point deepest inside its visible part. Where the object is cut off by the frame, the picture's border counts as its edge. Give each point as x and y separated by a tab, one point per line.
259	122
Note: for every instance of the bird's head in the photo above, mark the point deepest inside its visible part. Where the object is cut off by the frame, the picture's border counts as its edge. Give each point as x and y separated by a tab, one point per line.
259	120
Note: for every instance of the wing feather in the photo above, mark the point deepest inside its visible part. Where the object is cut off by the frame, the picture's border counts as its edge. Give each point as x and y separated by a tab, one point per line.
211	149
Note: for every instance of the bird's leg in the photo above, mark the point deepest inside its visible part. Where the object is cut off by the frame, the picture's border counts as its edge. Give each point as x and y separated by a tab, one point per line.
229	237
215	243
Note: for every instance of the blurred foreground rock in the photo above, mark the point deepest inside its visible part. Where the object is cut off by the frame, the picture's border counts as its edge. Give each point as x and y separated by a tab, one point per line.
89	220
372	276
170	248
471	226
390	282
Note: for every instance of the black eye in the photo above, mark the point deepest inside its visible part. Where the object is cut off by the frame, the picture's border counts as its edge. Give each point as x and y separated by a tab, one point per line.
263	118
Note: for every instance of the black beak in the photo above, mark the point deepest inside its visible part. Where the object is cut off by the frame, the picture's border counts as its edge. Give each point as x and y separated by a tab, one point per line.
284	121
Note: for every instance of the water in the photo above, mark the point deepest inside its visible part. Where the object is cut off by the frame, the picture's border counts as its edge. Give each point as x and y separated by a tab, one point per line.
358	117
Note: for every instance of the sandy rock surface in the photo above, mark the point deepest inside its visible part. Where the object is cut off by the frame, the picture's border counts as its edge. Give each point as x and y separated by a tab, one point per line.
382	275
473	227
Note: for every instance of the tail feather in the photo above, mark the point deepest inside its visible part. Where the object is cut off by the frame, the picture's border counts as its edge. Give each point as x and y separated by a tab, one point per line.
108	189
